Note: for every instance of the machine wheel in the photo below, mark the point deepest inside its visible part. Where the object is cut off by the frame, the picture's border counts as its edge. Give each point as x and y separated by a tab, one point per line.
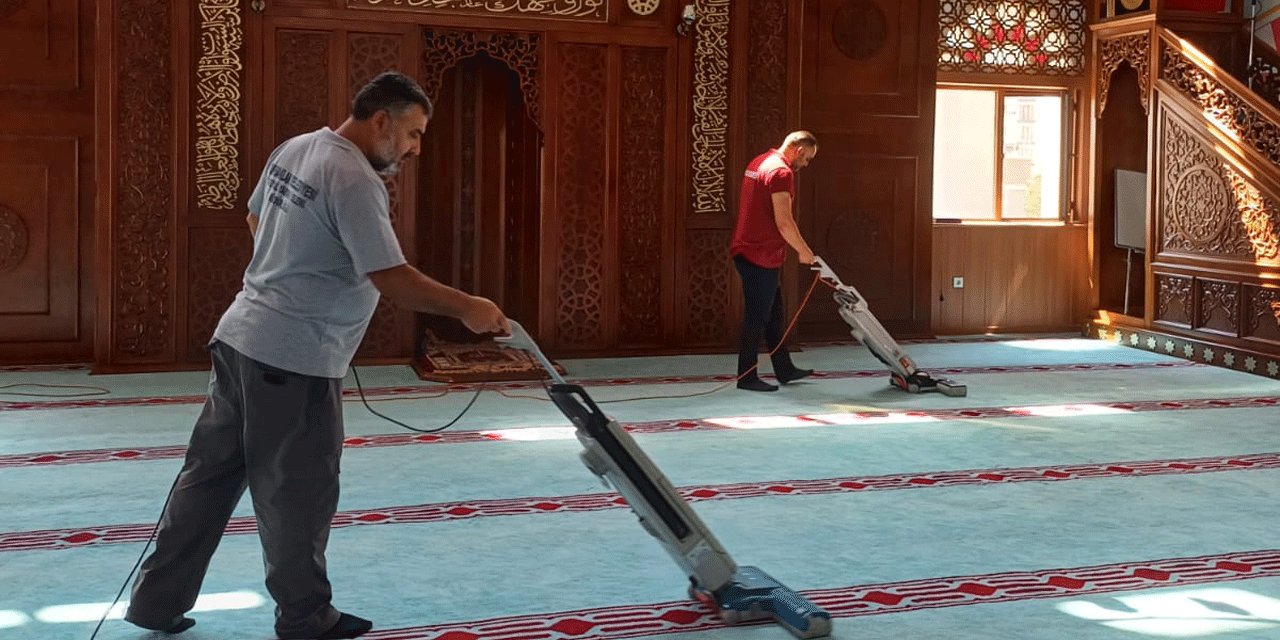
730	617
702	595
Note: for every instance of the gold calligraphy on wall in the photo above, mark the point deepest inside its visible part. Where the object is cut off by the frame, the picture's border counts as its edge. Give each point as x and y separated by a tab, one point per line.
587	10
710	106
218	105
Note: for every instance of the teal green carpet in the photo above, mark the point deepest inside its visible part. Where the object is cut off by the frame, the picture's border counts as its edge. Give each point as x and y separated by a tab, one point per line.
1082	490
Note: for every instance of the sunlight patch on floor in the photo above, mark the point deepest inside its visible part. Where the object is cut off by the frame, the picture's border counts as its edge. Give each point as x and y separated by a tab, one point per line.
10	619
1182	614
1062	344
92	611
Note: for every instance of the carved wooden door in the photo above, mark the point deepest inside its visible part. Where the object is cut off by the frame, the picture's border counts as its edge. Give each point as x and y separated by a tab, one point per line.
865	203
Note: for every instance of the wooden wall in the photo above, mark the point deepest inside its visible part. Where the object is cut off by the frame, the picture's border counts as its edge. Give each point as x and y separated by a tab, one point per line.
638	133
642	133
46	181
1017	278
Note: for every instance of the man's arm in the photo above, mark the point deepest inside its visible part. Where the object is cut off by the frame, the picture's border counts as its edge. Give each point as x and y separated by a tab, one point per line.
787	227
415	290
253	224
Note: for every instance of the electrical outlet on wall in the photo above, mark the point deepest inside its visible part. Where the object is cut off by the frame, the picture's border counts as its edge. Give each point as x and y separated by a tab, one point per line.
957	282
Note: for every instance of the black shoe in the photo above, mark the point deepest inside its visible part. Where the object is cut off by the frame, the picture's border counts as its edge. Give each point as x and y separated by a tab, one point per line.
756	384
177	625
795	374
348	626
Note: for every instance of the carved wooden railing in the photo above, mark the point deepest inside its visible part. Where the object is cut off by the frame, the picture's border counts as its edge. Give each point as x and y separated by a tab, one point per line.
1224	100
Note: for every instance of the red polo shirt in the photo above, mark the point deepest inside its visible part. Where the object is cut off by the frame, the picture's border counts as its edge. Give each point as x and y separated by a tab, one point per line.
756	236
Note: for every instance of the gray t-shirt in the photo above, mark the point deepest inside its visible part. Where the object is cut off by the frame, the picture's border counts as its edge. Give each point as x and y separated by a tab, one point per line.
323	225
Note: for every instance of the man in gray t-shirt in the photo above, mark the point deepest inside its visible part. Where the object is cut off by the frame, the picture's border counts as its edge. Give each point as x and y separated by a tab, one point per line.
324	251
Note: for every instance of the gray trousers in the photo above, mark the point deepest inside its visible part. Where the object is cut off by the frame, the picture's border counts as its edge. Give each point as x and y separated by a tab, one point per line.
279	434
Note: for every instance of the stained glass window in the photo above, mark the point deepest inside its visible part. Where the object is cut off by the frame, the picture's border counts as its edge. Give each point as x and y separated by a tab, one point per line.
1015	37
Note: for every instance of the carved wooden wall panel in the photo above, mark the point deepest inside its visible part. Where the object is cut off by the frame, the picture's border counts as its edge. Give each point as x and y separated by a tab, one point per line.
301	82
581	171
1209	208
216	259
41	44
1218	231
641	207
767	60
142	227
39	239
369	54
713	287
1174	302
442	49
1218	308
1133	49
1262	313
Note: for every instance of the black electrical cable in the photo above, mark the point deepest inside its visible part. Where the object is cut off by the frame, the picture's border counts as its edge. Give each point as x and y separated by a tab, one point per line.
91	390
415	429
137	564
152	537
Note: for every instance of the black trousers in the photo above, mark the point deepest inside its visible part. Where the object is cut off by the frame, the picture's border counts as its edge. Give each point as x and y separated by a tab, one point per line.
279	435
761	318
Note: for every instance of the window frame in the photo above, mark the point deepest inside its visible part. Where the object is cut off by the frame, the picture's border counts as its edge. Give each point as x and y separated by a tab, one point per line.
1067	155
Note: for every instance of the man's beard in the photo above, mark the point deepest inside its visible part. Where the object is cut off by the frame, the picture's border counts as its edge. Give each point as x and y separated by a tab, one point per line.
382	161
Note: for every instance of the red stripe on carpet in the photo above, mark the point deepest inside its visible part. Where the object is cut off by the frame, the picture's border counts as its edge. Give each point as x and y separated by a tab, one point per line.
53	539
658	426
865	600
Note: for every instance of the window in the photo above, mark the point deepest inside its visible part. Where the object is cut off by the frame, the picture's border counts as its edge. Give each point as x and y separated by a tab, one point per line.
999	154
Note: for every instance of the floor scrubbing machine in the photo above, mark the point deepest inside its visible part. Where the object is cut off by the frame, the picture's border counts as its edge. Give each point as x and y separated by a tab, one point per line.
738	594
864	326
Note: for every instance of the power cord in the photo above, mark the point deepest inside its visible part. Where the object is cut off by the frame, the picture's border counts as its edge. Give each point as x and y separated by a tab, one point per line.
415	429
452	422
782	341
91	390
156	528
129	578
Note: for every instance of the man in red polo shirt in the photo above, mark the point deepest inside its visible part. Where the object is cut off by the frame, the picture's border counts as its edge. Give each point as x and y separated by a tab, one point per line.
765	227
